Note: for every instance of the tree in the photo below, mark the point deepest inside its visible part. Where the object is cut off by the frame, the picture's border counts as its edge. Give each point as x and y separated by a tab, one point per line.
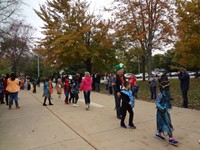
72	36
8	9
166	61
188	45
17	44
149	24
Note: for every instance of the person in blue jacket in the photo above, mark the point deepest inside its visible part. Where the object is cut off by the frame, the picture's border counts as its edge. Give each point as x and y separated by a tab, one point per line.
184	78
127	105
163	105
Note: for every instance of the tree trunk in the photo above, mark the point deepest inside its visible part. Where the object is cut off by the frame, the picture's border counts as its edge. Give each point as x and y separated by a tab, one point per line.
143	67
149	61
88	64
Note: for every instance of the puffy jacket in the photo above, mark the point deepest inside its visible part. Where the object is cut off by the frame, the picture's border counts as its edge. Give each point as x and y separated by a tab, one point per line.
86	84
12	86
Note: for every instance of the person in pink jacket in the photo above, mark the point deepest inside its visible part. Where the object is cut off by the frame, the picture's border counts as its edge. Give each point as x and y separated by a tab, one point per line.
86	87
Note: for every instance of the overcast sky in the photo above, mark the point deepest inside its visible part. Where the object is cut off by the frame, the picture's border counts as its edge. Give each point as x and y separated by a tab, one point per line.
35	21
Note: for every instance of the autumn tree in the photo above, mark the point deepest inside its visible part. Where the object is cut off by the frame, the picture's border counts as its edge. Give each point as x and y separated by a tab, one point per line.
17	44
8	10
72	36
149	25
188	45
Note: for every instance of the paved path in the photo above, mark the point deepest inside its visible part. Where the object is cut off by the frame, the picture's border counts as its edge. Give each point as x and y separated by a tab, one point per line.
64	127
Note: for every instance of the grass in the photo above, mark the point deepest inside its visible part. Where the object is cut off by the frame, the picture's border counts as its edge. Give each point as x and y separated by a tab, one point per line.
193	93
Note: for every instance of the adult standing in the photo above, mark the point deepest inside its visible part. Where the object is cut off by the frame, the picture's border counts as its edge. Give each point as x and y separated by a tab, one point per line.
153	84
97	82
184	78
133	81
120	79
5	83
13	89
86	87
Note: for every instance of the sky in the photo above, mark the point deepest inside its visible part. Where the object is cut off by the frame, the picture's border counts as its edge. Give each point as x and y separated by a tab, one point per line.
31	17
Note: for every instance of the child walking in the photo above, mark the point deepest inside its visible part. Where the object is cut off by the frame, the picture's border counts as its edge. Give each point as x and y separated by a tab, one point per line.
59	89
163	105
127	105
46	92
86	87
66	91
75	92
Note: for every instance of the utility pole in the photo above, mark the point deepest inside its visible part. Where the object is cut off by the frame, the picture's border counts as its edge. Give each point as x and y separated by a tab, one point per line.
38	66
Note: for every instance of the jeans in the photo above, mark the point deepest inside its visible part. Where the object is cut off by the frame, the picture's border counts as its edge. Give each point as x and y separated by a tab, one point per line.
97	87
87	97
185	98
13	96
153	92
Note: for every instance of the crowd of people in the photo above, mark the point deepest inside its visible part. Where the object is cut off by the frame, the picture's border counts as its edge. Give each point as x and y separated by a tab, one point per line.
124	90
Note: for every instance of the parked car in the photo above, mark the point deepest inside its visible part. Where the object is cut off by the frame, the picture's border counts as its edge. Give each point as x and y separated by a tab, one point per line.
173	74
127	75
191	73
138	75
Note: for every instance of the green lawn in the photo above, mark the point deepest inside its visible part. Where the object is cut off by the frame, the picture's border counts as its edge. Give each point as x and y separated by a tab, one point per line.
193	94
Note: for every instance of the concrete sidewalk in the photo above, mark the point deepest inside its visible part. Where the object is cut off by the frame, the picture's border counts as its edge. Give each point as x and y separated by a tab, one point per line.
64	127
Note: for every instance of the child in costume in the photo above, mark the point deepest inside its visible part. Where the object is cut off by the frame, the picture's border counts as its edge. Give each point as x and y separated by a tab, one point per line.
163	105
46	92
75	92
127	105
59	89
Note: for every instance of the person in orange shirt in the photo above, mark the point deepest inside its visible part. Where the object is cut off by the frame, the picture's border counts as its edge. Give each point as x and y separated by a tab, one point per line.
13	89
50	87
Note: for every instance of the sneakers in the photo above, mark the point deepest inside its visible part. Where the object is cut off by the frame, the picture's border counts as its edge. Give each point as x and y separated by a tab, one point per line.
119	117
159	136
173	141
88	107
132	126
75	105
123	126
44	104
50	104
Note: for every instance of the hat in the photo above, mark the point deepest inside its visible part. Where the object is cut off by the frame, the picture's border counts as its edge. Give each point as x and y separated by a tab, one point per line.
119	67
164	84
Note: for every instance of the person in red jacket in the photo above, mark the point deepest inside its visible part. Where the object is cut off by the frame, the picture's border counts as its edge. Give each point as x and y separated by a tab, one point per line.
133	81
86	87
66	90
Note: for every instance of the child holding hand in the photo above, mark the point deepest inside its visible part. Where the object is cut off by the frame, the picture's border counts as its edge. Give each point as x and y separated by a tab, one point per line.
127	105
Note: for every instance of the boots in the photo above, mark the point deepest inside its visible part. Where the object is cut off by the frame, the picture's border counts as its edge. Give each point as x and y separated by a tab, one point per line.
10	106
17	106
66	101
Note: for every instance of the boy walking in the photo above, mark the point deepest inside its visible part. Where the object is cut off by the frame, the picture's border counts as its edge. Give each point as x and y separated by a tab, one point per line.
127	105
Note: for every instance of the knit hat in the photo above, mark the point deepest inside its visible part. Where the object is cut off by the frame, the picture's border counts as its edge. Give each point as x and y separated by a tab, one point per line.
119	67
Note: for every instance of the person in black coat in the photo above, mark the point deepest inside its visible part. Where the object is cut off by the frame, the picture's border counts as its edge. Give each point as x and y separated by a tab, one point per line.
120	79
184	78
